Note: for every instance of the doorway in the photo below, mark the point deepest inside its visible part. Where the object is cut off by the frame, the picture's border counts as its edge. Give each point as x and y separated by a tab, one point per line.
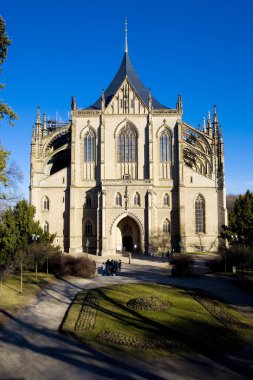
127	242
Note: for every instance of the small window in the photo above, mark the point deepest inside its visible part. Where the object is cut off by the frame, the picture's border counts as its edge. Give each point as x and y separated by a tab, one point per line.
63	199
166	200
63	179
88	228
166	226
46	203
46	227
118	199
137	199
88	201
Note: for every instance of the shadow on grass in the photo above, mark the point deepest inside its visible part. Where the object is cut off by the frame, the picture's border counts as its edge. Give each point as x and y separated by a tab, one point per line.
68	351
192	335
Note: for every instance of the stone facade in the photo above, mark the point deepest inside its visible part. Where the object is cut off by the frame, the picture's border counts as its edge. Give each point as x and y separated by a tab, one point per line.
129	174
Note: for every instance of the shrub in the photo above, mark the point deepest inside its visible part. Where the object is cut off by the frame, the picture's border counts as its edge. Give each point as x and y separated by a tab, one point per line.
181	264
238	255
216	264
63	264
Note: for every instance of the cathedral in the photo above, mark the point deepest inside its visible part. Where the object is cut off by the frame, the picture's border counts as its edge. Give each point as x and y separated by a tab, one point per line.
128	174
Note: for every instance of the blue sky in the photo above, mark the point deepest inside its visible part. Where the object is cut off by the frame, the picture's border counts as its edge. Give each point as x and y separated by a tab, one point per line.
202	49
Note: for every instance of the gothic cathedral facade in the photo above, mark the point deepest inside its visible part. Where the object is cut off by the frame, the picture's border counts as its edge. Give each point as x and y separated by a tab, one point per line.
128	174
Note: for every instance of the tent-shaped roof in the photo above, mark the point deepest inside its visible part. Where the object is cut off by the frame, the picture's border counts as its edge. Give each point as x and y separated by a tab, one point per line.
126	70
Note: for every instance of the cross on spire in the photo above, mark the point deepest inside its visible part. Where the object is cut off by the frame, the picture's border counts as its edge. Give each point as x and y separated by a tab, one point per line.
126	46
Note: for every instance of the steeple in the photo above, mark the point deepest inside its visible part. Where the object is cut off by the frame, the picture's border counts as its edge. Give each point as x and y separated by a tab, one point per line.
126	44
126	70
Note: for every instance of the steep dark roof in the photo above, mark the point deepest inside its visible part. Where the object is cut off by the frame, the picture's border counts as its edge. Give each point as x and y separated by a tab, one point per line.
126	69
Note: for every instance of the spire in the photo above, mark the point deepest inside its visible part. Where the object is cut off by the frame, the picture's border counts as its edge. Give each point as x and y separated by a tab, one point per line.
126	45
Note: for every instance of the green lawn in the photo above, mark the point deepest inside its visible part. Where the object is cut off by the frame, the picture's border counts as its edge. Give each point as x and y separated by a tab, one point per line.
10	297
192	323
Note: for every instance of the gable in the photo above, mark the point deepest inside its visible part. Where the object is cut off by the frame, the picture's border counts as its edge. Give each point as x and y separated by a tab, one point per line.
126	101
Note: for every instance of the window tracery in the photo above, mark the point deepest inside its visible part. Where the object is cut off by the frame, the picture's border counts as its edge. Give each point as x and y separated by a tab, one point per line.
199	214
165	146
89	146
45	203
166	226
127	147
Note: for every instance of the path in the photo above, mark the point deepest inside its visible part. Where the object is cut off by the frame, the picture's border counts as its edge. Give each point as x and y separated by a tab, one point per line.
32	348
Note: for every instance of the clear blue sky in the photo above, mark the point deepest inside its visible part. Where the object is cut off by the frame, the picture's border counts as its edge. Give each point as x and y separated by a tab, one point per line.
202	49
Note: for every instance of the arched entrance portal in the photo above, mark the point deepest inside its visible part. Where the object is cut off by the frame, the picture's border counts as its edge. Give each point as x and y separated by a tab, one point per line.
127	242
127	235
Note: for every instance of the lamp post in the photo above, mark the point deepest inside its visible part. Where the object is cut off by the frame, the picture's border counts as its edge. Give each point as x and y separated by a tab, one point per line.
35	238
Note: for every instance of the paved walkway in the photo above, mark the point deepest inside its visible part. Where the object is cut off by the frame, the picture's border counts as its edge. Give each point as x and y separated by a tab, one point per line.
32	349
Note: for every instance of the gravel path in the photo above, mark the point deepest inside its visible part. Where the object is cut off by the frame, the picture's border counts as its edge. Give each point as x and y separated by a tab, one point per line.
32	349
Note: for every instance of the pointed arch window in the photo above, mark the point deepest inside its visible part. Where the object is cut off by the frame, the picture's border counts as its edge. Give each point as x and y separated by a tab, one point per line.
166	226
127	147
199	214
118	199
89	146
166	200
45	203
165	146
137	199
46	227
88	228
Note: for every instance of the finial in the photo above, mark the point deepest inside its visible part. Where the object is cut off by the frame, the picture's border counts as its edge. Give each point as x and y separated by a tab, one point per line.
73	103
215	117
103	100
126	46
38	115
149	100
204	124
179	104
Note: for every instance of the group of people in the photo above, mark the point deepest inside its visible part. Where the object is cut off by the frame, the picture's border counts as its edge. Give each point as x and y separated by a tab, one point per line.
111	267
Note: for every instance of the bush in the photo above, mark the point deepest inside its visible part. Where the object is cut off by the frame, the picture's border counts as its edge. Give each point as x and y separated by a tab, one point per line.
238	255
181	264
216	264
63	264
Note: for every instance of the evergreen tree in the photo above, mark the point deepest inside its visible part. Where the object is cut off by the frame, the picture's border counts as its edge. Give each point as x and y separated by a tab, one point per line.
16	229
241	219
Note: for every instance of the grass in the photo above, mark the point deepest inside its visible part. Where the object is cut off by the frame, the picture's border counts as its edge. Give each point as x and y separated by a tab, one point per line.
106	323
11	300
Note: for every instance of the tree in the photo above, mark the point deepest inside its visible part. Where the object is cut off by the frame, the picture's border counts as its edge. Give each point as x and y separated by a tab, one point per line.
5	110
8	174
241	219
